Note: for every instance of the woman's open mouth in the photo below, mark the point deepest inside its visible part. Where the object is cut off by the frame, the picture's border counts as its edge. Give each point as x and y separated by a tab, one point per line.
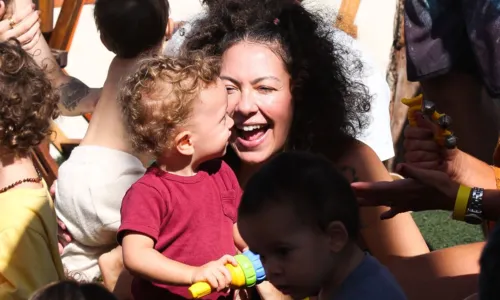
253	135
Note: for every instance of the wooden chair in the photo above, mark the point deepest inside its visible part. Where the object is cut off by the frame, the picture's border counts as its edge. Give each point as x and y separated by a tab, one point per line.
346	17
59	39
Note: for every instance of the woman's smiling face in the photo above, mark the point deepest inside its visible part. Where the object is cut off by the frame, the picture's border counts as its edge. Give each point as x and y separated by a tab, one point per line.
260	100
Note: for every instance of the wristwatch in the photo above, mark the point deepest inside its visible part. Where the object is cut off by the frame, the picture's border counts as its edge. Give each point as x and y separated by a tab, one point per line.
474	212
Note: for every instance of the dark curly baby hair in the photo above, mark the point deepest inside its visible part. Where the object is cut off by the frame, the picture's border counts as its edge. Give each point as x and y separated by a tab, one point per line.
329	107
131	27
27	101
309	183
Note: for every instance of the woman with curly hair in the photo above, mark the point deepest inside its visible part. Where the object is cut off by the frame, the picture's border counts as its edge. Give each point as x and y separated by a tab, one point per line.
290	88
29	257
377	133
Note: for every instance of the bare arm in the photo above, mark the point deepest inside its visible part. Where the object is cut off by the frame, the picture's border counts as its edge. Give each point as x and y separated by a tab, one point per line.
238	240
76	97
140	258
398	236
473	172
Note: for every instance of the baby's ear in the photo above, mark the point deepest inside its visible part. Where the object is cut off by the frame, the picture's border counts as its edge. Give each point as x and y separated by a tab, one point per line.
338	236
183	143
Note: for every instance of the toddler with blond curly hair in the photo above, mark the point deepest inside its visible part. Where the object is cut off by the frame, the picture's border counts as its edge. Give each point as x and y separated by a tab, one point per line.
178	220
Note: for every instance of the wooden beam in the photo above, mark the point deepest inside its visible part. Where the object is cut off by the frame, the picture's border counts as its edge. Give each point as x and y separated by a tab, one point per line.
346	17
59	3
65	27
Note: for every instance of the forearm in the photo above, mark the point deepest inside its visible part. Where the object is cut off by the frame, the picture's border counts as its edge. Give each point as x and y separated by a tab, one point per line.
152	265
76	98
268	292
238	240
473	172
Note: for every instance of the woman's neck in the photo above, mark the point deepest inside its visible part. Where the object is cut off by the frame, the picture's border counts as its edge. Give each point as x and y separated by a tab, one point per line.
14	168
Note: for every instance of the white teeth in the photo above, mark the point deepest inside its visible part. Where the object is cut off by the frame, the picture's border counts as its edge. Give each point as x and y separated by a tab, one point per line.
251	127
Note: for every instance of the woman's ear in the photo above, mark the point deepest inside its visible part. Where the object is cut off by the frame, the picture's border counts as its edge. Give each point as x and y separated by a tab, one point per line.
2	10
169	31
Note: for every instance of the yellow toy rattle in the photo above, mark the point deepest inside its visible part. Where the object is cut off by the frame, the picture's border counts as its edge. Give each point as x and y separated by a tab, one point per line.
443	137
248	273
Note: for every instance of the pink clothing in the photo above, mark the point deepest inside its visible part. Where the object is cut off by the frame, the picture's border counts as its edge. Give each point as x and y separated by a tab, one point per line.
190	219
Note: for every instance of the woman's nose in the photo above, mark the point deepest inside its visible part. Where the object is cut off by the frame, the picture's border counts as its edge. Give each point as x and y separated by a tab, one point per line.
247	104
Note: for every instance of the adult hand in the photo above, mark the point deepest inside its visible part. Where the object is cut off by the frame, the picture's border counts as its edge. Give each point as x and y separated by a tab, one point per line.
422	190
26	29
422	151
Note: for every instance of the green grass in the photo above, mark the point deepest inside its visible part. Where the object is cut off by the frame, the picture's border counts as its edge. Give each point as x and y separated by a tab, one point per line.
440	231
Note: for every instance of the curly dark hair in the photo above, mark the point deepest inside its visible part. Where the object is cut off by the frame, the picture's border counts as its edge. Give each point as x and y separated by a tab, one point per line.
329	108
27	100
70	289
158	98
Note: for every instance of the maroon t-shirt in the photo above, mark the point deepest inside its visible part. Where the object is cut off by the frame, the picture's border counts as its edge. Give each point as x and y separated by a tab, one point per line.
190	219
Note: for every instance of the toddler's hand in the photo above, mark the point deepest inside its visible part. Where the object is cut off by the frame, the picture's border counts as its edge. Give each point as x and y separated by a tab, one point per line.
215	273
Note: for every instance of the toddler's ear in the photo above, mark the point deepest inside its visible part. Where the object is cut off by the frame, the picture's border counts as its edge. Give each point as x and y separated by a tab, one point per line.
183	143
338	236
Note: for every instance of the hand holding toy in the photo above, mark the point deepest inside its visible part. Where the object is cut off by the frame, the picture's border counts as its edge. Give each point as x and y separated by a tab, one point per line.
443	137
248	273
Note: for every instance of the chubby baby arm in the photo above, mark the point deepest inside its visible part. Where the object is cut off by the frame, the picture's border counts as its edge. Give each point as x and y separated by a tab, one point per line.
141	259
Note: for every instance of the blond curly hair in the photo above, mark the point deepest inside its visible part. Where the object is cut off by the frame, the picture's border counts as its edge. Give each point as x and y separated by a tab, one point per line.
27	101
158	98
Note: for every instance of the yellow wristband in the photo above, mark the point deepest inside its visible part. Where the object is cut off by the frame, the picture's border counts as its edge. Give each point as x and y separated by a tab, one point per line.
461	202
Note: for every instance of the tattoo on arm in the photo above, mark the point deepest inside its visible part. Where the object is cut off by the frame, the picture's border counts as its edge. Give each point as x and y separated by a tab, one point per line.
72	92
349	173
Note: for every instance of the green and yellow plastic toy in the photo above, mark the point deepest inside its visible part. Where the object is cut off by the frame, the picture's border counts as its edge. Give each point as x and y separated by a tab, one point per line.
248	273
443	137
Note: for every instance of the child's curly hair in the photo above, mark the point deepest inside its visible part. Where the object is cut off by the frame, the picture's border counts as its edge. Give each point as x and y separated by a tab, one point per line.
27	100
69	289
329	108
157	99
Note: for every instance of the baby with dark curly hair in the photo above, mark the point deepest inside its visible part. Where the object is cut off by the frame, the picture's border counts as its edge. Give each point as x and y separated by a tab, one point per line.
179	220
29	257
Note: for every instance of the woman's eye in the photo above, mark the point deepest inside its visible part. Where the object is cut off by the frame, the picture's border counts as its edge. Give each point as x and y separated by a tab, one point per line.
230	89
265	89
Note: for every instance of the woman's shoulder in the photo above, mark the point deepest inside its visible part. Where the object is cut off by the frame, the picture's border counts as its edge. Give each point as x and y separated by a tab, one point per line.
360	163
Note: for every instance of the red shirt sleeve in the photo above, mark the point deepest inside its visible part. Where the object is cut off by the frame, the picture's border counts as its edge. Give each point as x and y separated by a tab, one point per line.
143	209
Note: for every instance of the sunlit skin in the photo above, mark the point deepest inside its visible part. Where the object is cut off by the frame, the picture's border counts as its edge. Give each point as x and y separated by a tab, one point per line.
210	124
258	97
